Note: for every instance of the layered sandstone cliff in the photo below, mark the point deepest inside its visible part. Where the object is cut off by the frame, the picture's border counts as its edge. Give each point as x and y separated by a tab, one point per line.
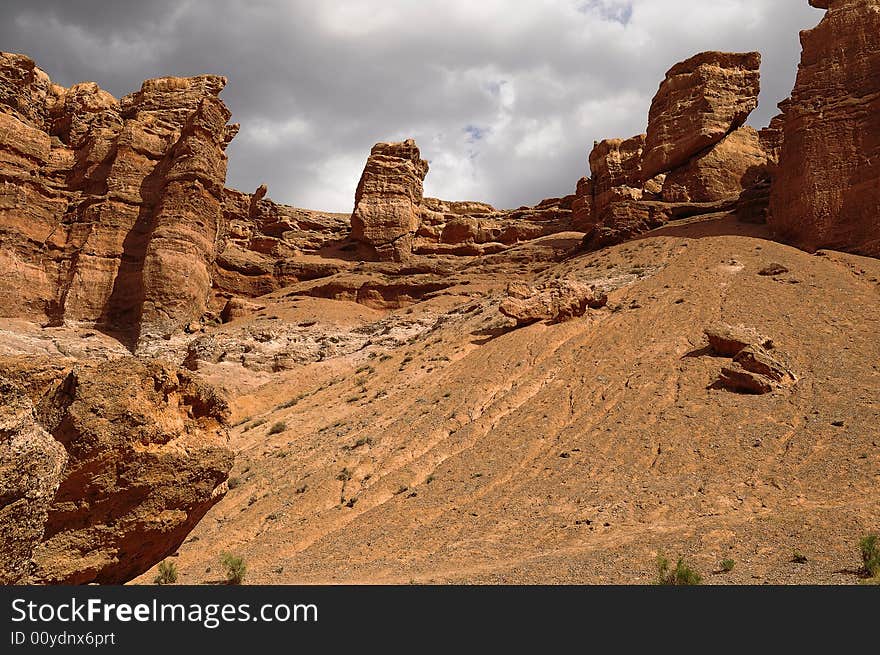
109	210
827	190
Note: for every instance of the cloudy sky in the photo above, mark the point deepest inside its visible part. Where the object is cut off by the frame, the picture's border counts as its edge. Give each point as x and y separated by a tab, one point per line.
504	97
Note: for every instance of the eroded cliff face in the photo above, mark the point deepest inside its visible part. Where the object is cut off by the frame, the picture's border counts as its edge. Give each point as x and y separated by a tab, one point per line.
109	210
31	464
697	156
827	189
113	213
106	467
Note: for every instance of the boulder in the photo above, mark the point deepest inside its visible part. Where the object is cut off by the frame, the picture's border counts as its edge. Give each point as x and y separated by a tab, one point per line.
696	157
729	340
146	456
701	101
755	371
556	301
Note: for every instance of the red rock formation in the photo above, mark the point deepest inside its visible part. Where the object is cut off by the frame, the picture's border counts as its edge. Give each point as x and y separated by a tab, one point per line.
146	457
616	171
695	158
31	464
723	172
262	244
700	102
178	261
387	211
582	206
556	301
472	228
95	187
827	190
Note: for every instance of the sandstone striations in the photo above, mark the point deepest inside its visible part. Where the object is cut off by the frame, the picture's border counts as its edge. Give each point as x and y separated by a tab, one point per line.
827	191
99	194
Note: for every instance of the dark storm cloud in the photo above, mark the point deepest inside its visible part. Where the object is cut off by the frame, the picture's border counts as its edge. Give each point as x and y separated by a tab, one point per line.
504	97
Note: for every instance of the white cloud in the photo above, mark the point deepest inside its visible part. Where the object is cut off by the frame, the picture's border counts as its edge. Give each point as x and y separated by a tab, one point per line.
505	97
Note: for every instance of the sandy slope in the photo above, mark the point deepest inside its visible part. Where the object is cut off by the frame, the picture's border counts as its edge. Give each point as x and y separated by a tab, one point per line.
572	453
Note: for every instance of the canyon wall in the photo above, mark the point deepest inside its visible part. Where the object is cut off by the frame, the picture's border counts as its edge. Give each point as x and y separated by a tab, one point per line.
109	210
827	188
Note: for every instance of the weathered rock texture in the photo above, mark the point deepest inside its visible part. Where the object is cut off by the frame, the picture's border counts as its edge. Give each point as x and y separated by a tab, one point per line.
31	462
696	158
827	191
393	218
263	244
701	101
472	228
556	301
146	457
109	210
754	369
388	199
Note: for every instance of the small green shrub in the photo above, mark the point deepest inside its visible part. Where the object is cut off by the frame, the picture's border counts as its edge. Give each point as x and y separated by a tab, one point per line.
682	574
235	568
254	424
727	565
167	573
869	547
798	558
278	428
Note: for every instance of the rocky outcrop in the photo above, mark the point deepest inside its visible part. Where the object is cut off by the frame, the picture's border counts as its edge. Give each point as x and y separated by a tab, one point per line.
728	340
109	209
473	229
262	244
827	190
696	157
701	101
144	454
753	369
556	301
733	165
177	265
387	204
395	221
31	464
